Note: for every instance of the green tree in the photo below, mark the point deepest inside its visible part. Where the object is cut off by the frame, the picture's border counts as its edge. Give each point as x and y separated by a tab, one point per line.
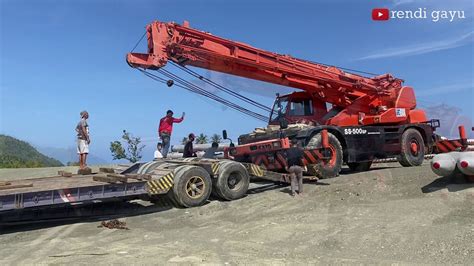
202	139
216	138
134	149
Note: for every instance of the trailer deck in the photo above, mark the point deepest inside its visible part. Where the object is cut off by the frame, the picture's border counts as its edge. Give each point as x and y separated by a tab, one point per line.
134	181
58	190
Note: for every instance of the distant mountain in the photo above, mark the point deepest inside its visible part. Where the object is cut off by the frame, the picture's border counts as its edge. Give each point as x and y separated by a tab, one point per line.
15	153
67	155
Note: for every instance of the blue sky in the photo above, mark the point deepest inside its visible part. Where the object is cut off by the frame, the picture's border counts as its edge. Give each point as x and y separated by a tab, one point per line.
61	57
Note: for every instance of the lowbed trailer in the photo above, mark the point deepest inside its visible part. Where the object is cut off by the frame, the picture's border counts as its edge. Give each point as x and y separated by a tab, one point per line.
187	182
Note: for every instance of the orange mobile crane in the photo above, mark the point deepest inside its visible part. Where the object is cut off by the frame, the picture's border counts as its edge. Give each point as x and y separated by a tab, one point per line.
349	118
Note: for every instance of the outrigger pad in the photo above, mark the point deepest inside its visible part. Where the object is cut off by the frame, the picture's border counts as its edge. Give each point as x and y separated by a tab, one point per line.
85	171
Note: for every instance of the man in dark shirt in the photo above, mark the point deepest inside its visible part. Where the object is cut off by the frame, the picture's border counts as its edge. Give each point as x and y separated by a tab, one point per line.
295	167
188	148
211	152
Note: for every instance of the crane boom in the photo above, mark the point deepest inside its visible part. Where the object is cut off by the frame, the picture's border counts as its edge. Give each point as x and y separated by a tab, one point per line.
358	99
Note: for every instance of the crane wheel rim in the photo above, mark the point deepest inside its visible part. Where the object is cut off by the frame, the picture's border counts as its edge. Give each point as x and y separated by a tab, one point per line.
414	147
332	161
195	187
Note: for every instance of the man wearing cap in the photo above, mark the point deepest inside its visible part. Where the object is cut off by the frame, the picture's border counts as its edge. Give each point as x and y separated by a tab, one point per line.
83	139
165	128
188	148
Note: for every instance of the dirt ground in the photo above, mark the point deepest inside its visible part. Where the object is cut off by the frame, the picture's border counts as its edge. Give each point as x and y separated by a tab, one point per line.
388	215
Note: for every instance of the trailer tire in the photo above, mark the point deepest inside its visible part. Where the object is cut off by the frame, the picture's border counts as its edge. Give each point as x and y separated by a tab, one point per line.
192	186
360	166
232	181
331	168
412	148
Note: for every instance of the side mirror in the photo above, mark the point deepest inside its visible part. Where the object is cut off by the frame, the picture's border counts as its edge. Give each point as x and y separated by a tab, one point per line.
224	136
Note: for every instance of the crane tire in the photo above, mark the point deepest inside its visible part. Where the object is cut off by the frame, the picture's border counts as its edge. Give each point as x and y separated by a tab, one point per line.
408	156
326	169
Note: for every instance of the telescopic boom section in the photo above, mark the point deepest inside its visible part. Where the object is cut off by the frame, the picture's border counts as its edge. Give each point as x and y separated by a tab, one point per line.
354	93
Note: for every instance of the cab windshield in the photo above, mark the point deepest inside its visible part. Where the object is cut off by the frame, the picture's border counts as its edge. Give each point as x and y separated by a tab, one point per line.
297	107
284	105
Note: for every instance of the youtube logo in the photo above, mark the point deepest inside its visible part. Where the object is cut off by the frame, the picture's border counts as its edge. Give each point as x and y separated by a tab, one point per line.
380	14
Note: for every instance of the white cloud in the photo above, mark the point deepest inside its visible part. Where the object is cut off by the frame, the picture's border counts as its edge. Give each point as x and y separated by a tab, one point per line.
402	2
422	48
465	5
447	89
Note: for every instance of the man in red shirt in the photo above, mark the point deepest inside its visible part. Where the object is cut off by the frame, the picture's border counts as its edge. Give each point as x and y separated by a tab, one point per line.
165	129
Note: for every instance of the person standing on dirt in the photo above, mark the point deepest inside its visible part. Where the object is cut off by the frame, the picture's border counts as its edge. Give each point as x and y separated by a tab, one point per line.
165	128
188	148
83	139
295	167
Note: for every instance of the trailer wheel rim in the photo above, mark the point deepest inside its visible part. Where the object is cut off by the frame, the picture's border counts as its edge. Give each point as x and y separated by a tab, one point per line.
233	181
195	187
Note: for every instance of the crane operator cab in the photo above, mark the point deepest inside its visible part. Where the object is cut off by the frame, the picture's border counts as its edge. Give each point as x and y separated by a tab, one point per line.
300	107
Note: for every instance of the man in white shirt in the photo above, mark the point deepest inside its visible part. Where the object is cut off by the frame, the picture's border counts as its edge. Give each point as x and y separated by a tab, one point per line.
158	154
83	140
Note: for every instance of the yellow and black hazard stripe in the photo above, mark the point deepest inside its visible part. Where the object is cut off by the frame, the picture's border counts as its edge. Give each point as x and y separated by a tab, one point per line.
160	185
215	168
256	170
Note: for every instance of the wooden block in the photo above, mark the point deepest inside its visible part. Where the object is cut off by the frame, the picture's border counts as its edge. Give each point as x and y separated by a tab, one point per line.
85	171
16	186
134	176
64	173
146	177
107	170
118	177
104	178
3	183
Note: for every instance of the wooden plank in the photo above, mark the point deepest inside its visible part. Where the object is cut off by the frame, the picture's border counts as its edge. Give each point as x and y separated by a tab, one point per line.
5	183
55	182
138	176
118	177
16	186
107	170
104	178
65	174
